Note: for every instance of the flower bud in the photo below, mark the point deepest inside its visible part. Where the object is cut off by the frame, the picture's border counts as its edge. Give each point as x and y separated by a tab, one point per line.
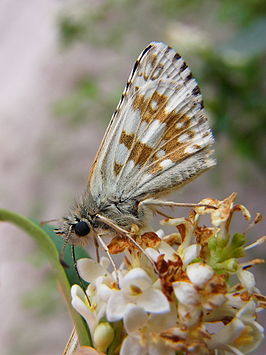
103	336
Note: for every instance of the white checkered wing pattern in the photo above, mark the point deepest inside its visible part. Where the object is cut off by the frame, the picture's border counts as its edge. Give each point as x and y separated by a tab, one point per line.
159	137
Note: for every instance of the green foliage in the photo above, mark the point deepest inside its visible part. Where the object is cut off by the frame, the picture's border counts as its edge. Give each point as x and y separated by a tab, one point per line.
70	30
238	104
242	11
224	252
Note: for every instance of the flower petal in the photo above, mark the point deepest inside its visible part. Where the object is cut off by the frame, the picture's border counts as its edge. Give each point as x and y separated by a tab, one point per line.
131	345
104	292
190	253
89	269
78	302
116	306
247	279
167	250
250	338
214	301
185	292
189	314
247	312
160	322
160	349
199	273
226	335
153	301
134	318
136	277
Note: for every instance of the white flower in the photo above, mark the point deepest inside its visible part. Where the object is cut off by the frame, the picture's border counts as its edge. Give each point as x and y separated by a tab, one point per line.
144	334
194	295
163	248
136	288
89	270
92	312
133	345
92	305
188	292
242	335
199	274
187	250
246	279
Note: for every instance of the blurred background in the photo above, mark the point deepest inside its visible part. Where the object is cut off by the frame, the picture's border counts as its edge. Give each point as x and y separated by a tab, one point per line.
63	66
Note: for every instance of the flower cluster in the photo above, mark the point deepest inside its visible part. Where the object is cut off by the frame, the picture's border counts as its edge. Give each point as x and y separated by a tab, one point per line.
188	293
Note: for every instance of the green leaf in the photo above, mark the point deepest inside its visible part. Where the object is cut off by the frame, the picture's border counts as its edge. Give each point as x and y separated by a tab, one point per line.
45	244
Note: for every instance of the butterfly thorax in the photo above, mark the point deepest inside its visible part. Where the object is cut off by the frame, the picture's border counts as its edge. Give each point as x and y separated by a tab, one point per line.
83	221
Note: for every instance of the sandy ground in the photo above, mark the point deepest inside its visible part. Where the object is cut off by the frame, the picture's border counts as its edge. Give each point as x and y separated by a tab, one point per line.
44	164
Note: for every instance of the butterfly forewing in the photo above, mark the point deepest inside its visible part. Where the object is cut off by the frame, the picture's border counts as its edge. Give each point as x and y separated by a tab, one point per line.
159	137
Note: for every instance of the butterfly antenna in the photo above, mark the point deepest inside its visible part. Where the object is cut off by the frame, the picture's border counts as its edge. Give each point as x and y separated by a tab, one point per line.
80	279
48	221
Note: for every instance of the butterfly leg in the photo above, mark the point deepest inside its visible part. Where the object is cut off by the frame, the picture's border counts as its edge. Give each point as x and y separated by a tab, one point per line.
97	249
125	233
110	257
163	214
160	203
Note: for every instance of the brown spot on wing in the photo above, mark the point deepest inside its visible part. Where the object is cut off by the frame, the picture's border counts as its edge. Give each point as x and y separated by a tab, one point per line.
140	153
147	110
155	168
127	139
174	151
154	108
178	155
152	59
169	146
173	119
206	134
117	168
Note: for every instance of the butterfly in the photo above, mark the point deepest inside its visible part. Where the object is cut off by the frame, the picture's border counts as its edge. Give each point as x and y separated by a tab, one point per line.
158	139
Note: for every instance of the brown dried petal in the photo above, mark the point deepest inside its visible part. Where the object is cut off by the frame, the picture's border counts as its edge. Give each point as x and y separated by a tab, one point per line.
149	240
119	244
244	211
203	234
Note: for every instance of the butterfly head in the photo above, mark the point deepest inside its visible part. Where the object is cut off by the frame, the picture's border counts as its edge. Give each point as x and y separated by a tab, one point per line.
76	230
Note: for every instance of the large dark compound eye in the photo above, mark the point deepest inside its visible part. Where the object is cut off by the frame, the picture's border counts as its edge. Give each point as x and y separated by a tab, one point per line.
82	228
